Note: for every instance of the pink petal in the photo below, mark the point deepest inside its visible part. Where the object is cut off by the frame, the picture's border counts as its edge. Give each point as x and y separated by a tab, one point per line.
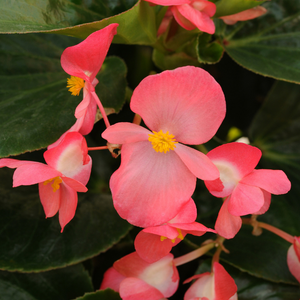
198	18
150	188
187	214
225	286
68	204
197	162
32	173
112	280
122	133
49	199
217	188
163	230
245	15
245	200
74	184
168	2
14	163
293	263
273	181
194	228
267	203
85	59
205	6
227	225
70	156
242	157
187	102
150	247
181	20
136	289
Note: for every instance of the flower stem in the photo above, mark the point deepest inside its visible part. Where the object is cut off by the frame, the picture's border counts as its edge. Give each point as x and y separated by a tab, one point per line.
103	113
271	228
137	119
97	148
193	255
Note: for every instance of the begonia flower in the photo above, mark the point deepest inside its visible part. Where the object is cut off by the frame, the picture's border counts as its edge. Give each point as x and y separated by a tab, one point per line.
83	61
293	258
191	14
248	190
153	243
245	15
158	173
136	279
218	285
67	172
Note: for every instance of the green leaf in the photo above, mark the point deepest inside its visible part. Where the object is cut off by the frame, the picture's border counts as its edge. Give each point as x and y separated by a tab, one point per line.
40	15
62	284
32	243
107	294
230	7
207	52
35	105
268	45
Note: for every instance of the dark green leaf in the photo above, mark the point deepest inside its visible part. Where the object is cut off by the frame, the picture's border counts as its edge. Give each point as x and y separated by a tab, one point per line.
35	105
270	44
62	284
32	243
208	52
107	294
40	15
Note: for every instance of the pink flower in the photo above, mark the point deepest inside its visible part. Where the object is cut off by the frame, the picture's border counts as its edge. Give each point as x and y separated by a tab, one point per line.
218	285
248	191
158	174
136	279
83	62
67	172
245	15
191	14
153	243
293	258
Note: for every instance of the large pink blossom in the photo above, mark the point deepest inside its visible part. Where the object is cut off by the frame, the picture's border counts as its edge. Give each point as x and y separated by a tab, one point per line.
293	258
136	279
191	14
67	172
218	285
158	173
83	61
248	190
153	243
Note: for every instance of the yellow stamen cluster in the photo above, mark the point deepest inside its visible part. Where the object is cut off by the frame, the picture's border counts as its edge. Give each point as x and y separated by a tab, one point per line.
180	236
56	183
162	142
75	84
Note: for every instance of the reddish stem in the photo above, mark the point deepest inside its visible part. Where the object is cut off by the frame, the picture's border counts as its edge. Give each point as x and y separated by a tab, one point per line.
137	119
103	113
97	148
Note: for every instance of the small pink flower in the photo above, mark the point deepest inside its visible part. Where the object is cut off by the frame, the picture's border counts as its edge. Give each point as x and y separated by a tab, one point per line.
293	258
153	243
245	15
248	191
136	279
67	172
218	285
190	14
158	174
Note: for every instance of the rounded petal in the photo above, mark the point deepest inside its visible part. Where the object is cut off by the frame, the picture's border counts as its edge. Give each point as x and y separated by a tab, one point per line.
194	228
273	181
168	2
200	19
49	199
112	280
293	263
242	158
266	205
85	59
245	200
187	214
227	225
122	132
68	205
137	289
187	102
150	188
70	157
197	162
163	230
74	184
150	247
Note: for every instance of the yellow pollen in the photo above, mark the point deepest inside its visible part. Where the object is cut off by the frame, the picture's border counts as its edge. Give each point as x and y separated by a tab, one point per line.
75	84
180	236
162	142
56	183
162	238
